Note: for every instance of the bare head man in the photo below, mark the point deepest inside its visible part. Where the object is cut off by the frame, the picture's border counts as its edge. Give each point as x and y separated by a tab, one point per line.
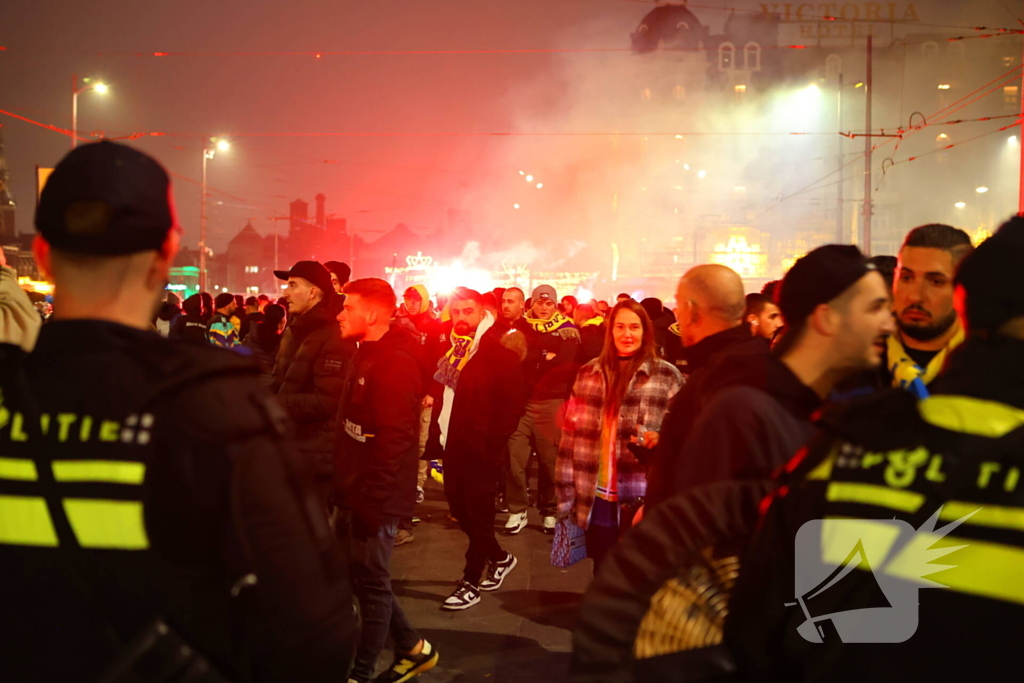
513	301
923	288
709	299
370	304
107	234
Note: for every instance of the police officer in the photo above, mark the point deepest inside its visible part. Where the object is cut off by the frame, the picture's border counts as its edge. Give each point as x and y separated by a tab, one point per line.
929	492
149	508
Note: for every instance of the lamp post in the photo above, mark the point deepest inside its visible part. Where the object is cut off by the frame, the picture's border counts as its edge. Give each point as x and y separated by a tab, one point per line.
210	149
101	88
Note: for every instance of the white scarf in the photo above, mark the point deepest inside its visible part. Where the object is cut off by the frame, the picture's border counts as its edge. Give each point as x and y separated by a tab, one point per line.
449	394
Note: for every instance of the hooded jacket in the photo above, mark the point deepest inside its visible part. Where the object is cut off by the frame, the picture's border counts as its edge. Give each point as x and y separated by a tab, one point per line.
19	320
377	450
308	378
488	402
699	389
891	457
429	333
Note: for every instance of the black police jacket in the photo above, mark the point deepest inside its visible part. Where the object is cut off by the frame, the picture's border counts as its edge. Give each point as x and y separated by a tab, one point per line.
144	478
377	451
889	463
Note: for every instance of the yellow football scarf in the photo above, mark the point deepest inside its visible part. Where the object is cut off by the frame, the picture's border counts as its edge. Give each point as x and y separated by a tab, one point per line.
906	374
674	329
451	365
556	322
594	322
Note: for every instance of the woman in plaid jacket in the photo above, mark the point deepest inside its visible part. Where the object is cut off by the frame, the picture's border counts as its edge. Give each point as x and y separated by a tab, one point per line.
618	401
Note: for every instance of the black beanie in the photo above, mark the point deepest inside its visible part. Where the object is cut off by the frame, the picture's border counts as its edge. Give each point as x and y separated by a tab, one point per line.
817	278
223	299
990	278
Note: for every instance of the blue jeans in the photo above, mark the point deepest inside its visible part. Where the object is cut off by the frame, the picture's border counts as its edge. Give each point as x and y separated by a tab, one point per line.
380	610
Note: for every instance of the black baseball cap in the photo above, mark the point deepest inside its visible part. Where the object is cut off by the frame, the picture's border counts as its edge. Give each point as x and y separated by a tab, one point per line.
314	271
817	278
106	199
990	279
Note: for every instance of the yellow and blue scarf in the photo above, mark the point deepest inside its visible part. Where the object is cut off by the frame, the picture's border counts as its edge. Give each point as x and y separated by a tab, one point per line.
906	374
594	322
558	324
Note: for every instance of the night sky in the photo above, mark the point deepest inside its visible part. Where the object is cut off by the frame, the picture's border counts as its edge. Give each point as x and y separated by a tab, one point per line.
373	181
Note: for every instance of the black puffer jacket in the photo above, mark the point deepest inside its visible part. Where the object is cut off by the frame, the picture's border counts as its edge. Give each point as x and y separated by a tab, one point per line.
308	378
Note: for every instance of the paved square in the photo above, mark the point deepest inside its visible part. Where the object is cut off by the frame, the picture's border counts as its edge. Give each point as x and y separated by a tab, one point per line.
521	632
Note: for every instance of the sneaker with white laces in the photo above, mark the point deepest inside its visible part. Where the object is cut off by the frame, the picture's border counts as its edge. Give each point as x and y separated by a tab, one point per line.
498	571
516	523
465	596
549	525
408	666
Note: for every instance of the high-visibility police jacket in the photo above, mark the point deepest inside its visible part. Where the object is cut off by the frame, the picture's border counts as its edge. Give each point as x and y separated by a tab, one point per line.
143	478
945	592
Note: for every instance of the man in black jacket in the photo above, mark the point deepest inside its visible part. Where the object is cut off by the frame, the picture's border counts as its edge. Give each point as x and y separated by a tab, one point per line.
927	478
709	311
479	407
310	367
375	469
549	369
145	478
759	405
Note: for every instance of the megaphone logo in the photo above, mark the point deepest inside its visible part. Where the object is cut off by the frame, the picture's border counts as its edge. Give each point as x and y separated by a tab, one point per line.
876	565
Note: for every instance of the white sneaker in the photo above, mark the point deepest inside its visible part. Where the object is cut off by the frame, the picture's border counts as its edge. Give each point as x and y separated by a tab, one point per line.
497	573
549	525
465	596
516	523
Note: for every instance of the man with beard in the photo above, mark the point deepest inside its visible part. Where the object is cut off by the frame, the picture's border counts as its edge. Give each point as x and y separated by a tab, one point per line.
762	316
481	400
927	324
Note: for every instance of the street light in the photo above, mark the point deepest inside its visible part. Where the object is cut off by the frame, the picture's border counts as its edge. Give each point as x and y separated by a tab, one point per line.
101	88
210	149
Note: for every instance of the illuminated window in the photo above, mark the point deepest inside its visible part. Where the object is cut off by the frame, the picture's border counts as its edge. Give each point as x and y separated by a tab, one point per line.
741	88
752	56
726	56
943	86
833	67
252	269
1010	93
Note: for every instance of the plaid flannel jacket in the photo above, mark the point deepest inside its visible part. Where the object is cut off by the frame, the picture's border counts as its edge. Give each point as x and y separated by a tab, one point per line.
645	403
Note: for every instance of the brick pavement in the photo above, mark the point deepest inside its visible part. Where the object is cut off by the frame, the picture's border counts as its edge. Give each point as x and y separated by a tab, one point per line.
520	633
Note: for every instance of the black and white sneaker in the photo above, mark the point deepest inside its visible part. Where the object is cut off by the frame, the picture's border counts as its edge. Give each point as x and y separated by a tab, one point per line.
497	573
465	596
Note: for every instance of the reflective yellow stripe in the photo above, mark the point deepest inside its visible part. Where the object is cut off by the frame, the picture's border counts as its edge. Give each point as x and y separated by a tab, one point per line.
107	523
19	469
112	471
995	516
870	494
991	570
25	520
823	471
971	415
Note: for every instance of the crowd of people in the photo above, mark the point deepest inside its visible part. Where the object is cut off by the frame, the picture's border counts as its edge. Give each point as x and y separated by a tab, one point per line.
219	483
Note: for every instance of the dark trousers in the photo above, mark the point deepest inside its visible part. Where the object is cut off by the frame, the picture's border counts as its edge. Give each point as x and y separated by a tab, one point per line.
381	613
603	531
470	486
538	430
